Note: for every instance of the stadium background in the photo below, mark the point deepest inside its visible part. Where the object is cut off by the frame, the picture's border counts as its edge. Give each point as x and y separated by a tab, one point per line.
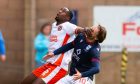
20	21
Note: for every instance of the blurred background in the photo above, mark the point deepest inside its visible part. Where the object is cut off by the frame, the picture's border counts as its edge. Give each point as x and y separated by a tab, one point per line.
20	22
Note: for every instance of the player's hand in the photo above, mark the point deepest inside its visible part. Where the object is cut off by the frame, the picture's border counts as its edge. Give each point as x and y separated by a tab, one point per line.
77	75
49	55
79	30
88	32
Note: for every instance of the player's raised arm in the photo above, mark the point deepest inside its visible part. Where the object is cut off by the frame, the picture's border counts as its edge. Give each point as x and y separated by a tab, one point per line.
60	50
79	30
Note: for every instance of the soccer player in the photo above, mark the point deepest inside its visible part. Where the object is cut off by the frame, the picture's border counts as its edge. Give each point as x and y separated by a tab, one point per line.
56	67
86	56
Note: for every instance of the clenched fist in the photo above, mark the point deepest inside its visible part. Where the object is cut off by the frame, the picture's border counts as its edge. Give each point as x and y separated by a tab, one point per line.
88	32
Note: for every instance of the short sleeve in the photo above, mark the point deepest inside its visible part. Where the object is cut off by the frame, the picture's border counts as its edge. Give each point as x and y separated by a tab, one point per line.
70	28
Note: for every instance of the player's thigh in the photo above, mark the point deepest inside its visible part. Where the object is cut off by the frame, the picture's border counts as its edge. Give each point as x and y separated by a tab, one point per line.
89	81
65	80
29	79
38	81
38	71
52	75
84	80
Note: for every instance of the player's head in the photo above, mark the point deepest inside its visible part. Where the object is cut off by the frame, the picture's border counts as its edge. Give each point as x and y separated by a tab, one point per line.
98	33
101	34
64	14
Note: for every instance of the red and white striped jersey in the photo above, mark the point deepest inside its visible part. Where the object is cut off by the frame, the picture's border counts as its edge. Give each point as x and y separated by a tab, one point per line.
61	35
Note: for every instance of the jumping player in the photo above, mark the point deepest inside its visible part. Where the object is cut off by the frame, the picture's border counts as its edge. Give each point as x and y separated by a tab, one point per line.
86	56
56	67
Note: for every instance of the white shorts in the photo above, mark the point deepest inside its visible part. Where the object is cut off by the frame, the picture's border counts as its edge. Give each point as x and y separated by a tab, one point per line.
69	80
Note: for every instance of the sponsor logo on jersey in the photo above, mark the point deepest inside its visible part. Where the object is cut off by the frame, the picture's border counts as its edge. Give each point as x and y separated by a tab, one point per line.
98	49
53	38
76	57
87	48
81	41
78	51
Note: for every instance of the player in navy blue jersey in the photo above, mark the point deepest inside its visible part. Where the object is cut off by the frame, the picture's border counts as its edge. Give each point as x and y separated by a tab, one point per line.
86	56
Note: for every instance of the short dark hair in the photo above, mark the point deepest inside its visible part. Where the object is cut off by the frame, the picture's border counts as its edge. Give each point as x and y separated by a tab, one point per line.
69	12
101	34
44	25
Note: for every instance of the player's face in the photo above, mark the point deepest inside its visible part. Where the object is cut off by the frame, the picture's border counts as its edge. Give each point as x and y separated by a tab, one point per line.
95	31
62	14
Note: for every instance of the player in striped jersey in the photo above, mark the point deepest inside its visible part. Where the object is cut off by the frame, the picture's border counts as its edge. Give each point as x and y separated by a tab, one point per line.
56	67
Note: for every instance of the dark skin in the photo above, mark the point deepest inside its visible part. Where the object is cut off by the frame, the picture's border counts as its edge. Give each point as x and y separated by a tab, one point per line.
61	17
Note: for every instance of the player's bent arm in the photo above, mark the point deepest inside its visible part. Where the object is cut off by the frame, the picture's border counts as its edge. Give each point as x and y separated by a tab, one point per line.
95	68
79	30
64	48
60	50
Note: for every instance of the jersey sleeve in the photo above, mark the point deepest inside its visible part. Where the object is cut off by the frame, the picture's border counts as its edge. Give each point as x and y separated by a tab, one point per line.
95	63
70	28
64	48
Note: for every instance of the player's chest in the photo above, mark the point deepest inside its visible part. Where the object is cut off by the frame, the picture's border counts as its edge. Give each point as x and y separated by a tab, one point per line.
57	34
58	30
81	52
82	47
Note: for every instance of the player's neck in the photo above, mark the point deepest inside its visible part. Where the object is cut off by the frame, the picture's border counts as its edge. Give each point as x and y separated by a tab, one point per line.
90	41
60	22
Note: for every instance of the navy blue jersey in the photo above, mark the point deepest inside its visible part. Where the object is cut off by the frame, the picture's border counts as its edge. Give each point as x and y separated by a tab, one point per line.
85	57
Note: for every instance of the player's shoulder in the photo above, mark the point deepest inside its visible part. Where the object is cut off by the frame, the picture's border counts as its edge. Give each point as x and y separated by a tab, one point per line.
96	47
54	24
68	23
80	35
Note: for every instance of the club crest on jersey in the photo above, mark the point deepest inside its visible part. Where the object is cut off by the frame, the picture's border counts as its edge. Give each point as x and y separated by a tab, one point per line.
98	49
81	41
87	48
59	28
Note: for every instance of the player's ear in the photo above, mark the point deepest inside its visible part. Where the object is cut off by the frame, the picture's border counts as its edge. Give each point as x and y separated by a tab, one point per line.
96	38
68	18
